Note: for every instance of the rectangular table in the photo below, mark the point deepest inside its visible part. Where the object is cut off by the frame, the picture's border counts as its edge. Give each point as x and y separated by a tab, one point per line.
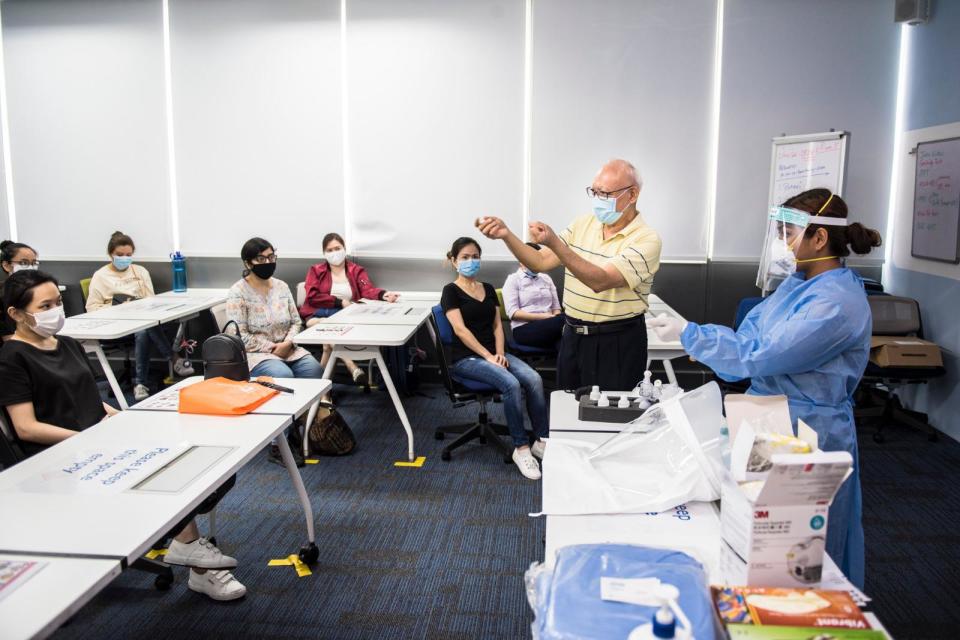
363	342
376	312
304	399
123	525
50	596
90	331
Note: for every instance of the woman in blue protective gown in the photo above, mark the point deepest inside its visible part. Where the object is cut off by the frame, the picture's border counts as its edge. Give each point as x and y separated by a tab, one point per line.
809	341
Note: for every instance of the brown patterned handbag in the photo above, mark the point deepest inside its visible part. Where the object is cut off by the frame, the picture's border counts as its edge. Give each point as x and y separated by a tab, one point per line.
329	434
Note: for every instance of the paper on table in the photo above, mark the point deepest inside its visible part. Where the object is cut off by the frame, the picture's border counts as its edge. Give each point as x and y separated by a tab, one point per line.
332	329
108	469
13	573
166	400
773	409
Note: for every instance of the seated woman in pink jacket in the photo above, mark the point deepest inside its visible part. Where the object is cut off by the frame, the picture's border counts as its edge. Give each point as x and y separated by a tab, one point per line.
335	284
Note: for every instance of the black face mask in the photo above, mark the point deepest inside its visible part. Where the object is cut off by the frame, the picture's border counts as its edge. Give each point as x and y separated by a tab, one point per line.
263	271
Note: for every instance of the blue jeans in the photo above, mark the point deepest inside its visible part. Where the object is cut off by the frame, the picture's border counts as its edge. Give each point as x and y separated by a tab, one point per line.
517	380
141	351
325	312
305	367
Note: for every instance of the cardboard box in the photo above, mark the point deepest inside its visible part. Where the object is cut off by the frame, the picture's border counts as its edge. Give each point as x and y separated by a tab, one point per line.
778	525
898	351
773	606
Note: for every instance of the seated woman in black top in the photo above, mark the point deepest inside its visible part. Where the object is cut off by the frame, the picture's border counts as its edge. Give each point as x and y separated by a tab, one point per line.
50	394
478	353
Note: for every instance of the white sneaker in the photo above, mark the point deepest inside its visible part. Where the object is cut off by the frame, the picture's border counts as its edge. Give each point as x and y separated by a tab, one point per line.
526	463
140	392
537	449
219	585
200	553
183	368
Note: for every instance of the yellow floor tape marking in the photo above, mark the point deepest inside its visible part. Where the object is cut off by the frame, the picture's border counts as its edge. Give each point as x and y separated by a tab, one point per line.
153	554
311	460
294	561
416	463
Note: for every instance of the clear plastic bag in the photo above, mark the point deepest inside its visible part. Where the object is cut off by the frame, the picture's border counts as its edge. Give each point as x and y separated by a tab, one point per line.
668	456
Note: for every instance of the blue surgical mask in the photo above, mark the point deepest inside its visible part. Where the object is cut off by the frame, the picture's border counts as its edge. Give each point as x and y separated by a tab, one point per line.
122	263
468	267
529	273
606	210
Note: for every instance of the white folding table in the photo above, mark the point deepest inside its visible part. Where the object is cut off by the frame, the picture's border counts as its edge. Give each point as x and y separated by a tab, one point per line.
363	342
304	399
90	331
54	519
55	589
376	312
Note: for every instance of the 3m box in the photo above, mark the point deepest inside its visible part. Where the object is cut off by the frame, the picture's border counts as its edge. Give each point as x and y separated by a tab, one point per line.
779	526
898	351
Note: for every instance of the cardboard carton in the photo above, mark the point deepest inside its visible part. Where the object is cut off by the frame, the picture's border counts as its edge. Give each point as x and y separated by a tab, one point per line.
898	351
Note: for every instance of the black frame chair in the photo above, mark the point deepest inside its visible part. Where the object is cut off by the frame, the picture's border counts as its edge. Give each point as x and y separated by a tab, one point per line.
462	394
877	394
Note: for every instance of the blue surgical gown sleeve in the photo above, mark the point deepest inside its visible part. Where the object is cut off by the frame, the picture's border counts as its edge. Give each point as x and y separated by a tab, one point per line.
804	339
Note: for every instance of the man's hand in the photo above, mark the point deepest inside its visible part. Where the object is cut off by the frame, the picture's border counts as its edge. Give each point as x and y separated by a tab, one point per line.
542	234
491	227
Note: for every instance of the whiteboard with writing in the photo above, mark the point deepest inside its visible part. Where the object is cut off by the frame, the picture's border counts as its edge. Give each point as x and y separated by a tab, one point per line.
807	162
936	202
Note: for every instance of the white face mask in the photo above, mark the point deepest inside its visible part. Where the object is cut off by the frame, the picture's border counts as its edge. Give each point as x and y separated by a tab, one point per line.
336	258
25	267
48	322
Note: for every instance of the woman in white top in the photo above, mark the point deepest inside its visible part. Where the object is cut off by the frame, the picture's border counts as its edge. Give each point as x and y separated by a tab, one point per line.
122	281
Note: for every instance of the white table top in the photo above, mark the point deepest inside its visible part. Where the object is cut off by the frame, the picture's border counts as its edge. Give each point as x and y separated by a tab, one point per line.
218	295
89	328
357	335
122	524
160	309
306	391
376	312
432	297
47	598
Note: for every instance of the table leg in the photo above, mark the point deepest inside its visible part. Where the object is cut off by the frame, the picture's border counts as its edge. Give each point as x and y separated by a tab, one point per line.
288	461
668	368
311	414
331	363
387	380
108	371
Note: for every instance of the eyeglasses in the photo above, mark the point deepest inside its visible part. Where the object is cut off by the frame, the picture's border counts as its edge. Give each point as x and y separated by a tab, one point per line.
264	259
605	195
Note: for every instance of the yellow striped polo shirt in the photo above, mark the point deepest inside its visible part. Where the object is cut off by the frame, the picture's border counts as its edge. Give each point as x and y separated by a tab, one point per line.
634	251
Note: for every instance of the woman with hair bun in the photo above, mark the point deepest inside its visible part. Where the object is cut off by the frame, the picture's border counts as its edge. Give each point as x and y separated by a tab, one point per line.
809	341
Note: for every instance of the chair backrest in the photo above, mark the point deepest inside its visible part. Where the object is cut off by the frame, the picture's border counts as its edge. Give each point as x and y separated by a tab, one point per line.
895	316
743	308
219	313
85	288
10	451
444	332
503	309
301	293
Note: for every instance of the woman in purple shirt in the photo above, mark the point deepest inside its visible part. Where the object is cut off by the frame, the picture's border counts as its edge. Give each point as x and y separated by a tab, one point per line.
531	302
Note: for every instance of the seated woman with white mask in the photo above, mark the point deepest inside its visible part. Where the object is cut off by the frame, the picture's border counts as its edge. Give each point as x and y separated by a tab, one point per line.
335	284
122	281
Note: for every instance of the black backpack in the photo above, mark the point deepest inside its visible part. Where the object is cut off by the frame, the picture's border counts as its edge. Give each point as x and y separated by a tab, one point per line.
224	355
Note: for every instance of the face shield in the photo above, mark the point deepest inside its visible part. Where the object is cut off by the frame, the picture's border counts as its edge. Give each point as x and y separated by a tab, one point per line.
785	231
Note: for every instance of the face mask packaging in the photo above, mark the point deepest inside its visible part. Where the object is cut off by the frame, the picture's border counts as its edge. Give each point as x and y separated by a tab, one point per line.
774	505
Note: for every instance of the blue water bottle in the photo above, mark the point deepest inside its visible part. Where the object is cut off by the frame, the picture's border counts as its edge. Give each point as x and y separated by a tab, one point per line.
179	272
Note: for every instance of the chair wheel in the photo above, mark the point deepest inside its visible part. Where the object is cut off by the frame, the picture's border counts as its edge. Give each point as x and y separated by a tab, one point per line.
162	583
438	435
878	438
445	456
309	554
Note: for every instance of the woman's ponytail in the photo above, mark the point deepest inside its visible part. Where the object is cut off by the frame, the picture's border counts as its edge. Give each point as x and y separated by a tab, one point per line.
862	239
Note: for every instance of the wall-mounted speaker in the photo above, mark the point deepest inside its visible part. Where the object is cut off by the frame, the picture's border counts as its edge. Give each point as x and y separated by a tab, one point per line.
911	11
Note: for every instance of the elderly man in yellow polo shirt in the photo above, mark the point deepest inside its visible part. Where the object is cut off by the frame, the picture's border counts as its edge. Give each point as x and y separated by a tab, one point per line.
610	257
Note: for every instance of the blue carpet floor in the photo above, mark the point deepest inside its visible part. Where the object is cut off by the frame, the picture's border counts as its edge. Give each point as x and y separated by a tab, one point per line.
439	552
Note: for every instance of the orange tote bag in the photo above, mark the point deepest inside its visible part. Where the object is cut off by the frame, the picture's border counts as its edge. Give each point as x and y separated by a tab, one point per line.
223	397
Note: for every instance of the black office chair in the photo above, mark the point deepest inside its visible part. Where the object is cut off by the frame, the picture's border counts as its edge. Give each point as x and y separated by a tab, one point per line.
877	394
463	392
11	453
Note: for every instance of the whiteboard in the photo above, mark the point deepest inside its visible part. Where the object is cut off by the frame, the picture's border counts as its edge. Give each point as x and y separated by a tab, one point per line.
814	161
936	202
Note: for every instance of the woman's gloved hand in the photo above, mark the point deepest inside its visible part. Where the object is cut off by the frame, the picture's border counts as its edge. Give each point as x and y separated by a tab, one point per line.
666	327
